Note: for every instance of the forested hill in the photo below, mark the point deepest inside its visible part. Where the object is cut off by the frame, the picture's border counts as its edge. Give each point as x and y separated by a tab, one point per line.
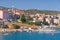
42	11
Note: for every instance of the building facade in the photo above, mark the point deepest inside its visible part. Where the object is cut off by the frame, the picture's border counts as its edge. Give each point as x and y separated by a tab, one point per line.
4	14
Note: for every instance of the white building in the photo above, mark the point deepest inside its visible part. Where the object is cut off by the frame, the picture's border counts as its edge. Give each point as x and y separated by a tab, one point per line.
4	14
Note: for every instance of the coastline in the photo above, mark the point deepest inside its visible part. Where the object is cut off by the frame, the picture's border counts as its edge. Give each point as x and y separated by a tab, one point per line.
26	30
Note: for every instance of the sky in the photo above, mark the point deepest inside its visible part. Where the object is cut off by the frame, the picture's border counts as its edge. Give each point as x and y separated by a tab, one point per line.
32	4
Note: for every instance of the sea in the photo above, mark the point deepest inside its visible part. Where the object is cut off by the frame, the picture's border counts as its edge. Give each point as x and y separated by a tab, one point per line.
30	36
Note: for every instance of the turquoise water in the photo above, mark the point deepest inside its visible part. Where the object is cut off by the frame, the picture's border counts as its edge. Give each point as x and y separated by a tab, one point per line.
30	36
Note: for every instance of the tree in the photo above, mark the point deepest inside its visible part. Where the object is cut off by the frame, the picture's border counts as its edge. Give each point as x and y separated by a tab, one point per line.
23	19
38	23
16	26
45	23
30	23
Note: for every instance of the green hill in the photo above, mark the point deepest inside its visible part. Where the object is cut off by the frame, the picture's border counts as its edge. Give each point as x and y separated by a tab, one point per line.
42	11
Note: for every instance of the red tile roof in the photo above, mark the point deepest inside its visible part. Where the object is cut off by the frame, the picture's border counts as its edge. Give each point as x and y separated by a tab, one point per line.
20	11
4	10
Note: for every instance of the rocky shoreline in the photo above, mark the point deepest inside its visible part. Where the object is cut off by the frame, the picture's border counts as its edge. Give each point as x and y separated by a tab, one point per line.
26	30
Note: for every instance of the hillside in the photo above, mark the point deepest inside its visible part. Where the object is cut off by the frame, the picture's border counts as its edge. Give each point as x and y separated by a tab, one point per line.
32	11
1	7
42	11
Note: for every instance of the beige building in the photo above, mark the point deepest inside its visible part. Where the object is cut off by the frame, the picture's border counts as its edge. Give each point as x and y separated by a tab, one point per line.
47	20
56	21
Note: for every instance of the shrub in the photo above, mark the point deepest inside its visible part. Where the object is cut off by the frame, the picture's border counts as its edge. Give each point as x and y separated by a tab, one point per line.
16	26
45	23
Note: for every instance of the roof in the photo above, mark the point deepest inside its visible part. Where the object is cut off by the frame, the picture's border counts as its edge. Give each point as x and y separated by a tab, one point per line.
20	11
4	10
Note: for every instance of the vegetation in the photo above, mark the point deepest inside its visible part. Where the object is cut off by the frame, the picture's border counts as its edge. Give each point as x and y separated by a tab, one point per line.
16	26
23	19
42	11
38	23
30	22
45	23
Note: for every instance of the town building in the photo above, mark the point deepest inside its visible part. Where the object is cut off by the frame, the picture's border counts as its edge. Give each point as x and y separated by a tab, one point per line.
18	12
4	14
